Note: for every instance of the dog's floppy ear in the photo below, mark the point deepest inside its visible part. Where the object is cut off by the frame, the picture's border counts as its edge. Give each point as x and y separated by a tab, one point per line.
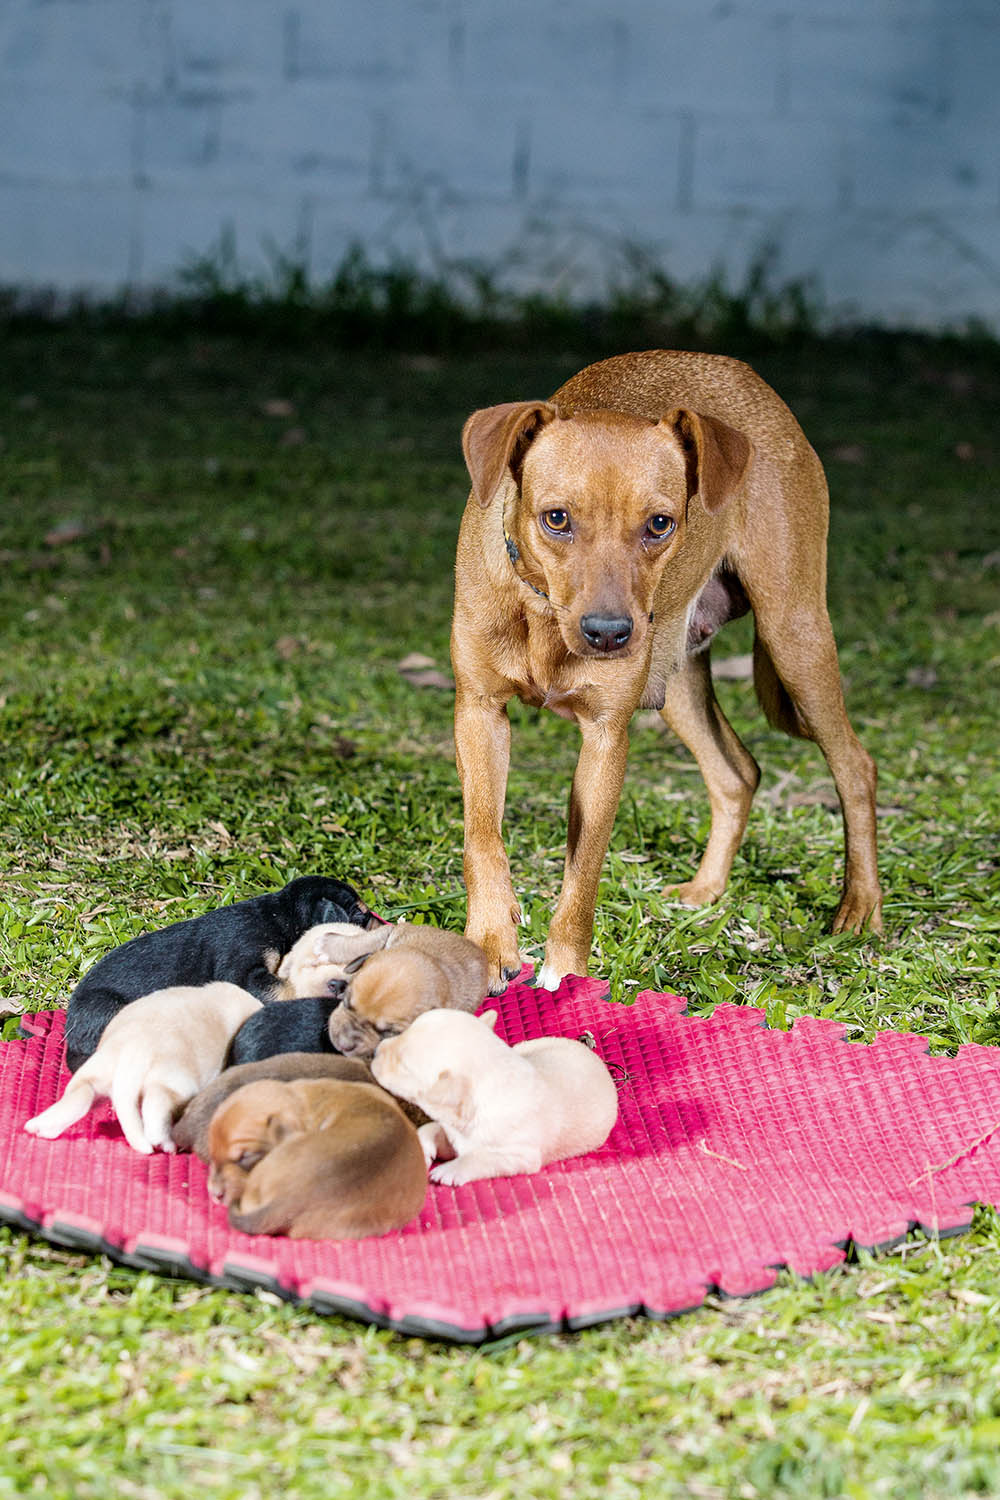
716	455
449	1095
496	438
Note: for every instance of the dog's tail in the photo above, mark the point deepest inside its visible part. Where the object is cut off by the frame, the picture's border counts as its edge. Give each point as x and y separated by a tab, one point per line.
773	696
79	1095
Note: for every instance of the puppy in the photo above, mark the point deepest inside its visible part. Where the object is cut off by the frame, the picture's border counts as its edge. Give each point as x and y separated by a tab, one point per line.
321	960
190	1131
497	1111
242	943
415	969
610	532
152	1058
291	1026
316	1159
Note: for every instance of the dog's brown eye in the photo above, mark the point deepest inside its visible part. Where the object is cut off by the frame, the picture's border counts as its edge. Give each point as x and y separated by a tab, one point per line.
657	527
556	521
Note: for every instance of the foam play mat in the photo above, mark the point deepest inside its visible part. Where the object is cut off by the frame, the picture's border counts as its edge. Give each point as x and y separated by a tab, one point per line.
738	1150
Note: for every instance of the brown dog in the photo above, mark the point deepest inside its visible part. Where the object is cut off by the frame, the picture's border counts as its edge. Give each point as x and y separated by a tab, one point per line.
610	532
416	969
190	1131
316	1159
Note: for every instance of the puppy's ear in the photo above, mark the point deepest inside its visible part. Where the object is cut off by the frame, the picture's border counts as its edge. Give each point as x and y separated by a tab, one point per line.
357	963
716	455
285	967
489	1018
450	1099
497	438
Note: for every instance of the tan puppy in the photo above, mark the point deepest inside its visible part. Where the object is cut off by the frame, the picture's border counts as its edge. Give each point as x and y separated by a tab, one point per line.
417	969
153	1056
496	1110
190	1131
610	532
316	1159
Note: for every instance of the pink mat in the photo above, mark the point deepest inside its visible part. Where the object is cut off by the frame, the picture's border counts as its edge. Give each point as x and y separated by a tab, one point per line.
738	1150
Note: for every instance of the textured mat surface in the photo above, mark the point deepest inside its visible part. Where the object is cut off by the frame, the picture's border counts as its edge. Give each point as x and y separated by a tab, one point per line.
738	1150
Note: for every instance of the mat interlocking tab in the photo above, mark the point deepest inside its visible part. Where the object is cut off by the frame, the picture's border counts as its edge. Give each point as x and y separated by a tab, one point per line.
738	1150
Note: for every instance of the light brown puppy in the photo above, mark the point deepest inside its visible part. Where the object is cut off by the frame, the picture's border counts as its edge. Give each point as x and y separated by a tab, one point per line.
190	1131
497	1111
418	968
153	1056
316	1159
610	532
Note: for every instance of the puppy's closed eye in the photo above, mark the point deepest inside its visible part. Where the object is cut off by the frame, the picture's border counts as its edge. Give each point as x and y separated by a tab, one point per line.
249	1160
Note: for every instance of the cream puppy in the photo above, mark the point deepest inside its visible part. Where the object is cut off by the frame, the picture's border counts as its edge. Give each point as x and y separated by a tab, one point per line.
324	956
496	1111
153	1056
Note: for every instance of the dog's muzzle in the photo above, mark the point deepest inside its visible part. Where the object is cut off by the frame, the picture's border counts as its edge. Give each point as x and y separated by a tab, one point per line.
606	633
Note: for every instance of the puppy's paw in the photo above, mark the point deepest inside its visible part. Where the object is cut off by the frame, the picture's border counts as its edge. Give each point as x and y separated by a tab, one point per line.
453	1173
548	978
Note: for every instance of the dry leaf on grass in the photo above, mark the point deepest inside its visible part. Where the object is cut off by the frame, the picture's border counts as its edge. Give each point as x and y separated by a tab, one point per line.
423	672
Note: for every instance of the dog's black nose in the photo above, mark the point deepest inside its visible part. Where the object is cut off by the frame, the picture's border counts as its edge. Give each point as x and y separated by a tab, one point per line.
606	632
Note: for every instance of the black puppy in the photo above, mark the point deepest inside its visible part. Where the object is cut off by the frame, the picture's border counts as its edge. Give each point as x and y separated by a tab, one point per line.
243	943
288	1026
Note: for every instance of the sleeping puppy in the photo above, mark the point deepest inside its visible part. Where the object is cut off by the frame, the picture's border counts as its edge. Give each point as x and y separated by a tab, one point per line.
316	1159
152	1058
323	957
190	1131
242	943
416	969
497	1111
291	1026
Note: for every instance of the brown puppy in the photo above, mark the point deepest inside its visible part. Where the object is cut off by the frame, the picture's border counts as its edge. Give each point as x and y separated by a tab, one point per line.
190	1131
417	969
610	532
316	1159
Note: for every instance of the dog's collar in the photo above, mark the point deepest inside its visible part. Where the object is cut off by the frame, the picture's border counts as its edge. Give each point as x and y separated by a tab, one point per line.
514	555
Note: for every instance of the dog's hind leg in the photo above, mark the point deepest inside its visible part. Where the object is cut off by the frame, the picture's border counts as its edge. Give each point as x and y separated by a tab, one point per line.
729	770
804	657
159	1105
125	1090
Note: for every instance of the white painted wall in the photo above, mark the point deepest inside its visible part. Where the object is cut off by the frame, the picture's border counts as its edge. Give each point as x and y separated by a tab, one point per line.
861	137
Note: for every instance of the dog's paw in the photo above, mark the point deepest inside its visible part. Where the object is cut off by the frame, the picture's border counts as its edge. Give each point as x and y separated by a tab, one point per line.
548	978
859	911
691	893
454	1173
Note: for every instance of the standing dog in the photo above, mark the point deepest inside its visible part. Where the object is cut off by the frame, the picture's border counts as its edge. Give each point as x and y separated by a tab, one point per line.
610	532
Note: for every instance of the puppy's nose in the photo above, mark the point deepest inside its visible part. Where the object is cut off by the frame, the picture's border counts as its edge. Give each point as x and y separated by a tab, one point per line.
606	632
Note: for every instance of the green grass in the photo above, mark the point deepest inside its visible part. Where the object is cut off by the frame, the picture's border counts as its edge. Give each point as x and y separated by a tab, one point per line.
204	597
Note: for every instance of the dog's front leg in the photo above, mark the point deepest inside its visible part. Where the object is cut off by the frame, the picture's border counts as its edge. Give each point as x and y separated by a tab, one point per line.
597	786
482	753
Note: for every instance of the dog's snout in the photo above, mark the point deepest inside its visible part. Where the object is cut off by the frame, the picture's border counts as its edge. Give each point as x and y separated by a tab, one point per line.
606	632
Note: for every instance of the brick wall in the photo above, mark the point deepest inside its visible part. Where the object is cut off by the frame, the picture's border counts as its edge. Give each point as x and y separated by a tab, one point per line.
859	137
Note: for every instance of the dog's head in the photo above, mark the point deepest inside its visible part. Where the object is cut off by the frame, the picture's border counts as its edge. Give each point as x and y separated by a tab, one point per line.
384	995
435	1062
245	1127
604	505
320	961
